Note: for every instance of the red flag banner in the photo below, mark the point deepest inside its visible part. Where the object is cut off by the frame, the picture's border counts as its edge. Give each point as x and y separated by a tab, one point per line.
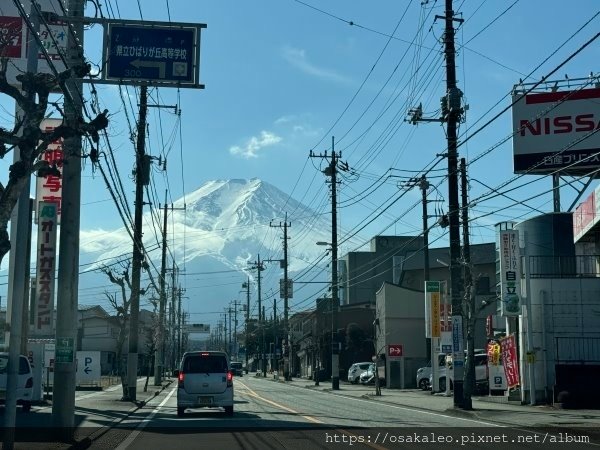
509	360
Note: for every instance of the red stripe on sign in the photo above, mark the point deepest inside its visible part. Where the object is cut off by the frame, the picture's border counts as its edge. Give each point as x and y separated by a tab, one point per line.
550	97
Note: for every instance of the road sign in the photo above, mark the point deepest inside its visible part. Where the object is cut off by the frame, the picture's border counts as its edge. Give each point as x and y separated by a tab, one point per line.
196	328
88	367
395	350
64	350
156	52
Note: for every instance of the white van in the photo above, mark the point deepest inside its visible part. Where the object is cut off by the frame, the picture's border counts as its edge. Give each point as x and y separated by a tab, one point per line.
204	381
24	383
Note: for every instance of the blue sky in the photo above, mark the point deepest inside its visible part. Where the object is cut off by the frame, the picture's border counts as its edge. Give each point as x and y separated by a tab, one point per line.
282	77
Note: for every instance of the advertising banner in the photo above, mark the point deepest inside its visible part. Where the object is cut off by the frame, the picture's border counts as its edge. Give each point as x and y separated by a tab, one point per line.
509	360
53	36
46	267
49	188
510	273
556	131
432	291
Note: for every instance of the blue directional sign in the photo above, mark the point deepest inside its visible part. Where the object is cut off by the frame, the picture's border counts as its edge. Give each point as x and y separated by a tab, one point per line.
159	54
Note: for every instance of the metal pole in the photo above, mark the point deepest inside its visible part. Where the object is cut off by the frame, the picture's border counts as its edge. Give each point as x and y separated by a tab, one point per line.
286	330
172	316
63	390
18	267
138	256
247	318
556	191
160	348
335	371
529	315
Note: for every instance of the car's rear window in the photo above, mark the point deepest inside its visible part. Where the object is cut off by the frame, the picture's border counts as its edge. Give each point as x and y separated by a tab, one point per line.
365	366
205	364
236	365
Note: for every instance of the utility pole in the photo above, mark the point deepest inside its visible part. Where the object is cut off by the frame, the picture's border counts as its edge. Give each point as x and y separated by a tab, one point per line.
172	315
20	231
469	294
141	178
247	286
452	111
160	347
331	171
264	355
179	330
230	349
286	296
258	265
235	325
63	390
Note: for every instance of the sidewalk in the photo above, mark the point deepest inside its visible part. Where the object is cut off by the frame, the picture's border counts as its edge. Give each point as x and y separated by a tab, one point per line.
95	413
484	409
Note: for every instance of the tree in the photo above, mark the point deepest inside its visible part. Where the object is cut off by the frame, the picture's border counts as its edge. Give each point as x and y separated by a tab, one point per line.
121	306
26	135
471	312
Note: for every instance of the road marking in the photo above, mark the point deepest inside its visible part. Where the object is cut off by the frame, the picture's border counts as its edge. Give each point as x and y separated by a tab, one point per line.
277	405
135	433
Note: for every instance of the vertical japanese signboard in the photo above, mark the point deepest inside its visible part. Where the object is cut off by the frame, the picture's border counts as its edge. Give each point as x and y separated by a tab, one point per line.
432	309
509	360
46	265
49	188
510	273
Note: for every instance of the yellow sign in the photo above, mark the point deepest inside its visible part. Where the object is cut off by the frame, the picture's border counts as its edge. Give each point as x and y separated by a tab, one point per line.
530	357
436	327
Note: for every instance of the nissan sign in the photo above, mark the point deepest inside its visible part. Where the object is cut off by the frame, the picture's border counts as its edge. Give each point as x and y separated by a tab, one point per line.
556	131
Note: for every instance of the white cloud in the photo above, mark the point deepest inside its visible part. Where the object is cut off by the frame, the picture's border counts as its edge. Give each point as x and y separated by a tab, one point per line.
297	57
255	144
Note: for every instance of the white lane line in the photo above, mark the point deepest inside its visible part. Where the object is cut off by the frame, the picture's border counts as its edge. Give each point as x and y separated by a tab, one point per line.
135	433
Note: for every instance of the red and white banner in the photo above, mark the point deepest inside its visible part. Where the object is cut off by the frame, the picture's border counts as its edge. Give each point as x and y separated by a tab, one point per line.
46	268
49	188
509	360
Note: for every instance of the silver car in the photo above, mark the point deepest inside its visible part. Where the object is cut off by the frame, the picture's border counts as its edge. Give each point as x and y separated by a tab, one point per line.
356	369
204	381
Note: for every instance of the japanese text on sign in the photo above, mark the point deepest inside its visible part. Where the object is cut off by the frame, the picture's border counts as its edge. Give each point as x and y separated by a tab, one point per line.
46	264
49	188
510	272
509	360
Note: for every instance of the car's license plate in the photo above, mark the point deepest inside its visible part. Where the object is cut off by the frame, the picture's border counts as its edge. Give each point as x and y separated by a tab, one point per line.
205	400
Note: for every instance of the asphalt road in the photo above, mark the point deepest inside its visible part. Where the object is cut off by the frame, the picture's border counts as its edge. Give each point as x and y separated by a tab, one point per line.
272	415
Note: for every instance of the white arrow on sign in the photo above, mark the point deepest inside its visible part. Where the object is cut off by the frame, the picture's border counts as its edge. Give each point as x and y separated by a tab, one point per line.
161	66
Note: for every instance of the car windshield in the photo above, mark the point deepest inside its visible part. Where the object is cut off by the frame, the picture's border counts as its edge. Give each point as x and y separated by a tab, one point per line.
205	364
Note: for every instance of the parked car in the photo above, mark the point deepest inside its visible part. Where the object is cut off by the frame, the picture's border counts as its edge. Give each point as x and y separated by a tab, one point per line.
237	369
368	376
423	373
204	381
356	369
24	381
481	374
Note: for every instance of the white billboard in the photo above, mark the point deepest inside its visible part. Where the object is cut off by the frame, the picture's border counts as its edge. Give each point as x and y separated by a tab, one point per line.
510	273
556	130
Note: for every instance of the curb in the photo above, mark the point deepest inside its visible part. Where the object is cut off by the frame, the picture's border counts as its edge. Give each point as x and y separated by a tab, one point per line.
88	440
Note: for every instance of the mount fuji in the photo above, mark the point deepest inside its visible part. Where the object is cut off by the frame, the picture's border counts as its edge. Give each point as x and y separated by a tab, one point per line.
215	234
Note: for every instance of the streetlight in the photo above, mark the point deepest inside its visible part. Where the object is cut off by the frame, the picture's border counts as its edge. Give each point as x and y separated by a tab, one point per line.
335	357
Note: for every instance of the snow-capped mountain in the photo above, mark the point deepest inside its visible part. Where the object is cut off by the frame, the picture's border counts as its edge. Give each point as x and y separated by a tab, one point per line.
225	225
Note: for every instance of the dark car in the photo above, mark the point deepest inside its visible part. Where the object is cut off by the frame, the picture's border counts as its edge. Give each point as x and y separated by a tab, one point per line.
237	369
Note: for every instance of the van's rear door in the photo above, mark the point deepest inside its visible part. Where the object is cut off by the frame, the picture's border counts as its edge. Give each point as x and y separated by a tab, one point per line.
205	373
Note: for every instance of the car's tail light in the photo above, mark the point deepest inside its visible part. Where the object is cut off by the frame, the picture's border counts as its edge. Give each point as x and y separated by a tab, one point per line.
29	383
229	378
180	380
